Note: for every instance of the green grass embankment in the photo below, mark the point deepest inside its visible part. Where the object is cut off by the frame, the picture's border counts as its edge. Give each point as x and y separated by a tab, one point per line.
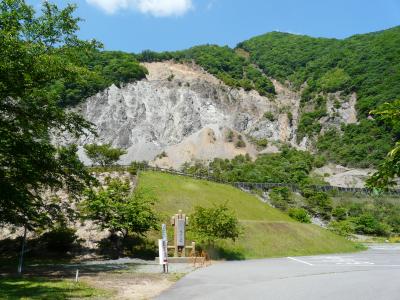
267	231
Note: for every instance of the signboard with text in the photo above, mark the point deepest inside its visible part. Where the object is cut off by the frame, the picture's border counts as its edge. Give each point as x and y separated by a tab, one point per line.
164	232
180	234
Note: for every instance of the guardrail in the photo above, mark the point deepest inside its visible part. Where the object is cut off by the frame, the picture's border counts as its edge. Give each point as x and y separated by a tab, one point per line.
266	185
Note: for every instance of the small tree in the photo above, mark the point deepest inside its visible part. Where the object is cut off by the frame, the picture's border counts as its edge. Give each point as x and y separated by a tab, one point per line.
103	155
114	207
214	223
135	166
319	203
299	214
390	167
281	197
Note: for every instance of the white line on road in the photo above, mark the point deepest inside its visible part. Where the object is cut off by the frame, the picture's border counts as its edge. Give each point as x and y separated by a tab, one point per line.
300	261
354	265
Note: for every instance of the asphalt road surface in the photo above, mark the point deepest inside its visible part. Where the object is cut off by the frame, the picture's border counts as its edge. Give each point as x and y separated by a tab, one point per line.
373	274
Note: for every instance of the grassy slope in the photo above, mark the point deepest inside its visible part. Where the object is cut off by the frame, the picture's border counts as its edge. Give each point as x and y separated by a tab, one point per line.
267	231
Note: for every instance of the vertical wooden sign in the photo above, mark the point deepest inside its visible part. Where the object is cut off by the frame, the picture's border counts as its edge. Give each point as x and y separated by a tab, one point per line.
180	239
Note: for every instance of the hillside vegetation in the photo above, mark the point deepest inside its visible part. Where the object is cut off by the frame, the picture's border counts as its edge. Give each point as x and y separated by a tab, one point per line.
103	68
267	231
233	69
367	64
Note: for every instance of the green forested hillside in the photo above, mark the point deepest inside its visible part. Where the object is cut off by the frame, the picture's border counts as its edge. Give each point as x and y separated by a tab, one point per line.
225	63
367	64
104	69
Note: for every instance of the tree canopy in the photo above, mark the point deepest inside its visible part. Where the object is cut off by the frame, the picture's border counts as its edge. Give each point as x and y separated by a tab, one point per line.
103	155
215	223
116	208
37	49
390	167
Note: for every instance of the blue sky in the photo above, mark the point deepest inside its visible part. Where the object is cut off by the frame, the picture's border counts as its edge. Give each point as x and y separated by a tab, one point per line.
136	25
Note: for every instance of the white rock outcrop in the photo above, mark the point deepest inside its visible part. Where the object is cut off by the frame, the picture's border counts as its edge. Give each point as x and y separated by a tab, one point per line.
177	107
173	108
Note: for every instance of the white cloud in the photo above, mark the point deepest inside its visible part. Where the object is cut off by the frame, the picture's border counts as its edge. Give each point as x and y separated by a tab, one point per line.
157	8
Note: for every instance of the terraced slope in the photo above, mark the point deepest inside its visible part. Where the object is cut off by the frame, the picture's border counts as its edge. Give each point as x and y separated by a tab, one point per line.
267	231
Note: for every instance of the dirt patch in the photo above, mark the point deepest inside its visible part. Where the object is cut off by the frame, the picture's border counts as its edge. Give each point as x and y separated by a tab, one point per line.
337	175
131	285
122	280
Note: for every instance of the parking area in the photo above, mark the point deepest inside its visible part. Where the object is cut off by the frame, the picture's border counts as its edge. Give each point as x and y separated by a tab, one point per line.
384	255
373	274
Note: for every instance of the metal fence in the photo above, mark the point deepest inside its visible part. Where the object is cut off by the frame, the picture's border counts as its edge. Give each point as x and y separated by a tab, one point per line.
265	186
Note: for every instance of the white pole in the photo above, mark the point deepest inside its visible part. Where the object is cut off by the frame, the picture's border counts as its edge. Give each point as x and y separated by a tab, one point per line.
21	258
77	275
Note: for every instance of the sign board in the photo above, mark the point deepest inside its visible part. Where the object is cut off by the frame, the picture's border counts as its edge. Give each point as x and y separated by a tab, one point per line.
164	232
162	252
180	238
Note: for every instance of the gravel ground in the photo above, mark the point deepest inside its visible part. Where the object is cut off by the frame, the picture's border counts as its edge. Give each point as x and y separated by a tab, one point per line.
139	265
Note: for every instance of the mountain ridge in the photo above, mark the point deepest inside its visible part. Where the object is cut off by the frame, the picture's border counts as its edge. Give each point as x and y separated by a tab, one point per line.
337	83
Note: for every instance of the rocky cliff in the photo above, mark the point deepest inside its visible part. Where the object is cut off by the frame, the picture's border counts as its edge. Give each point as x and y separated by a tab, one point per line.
181	113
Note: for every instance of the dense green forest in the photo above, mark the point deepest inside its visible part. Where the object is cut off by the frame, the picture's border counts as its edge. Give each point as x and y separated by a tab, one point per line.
368	64
104	68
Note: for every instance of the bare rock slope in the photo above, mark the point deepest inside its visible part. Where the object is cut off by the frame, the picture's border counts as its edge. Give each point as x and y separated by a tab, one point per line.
184	113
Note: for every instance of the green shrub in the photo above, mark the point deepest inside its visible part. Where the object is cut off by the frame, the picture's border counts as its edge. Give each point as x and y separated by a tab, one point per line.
135	166
262	143
368	224
319	161
60	239
358	145
345	228
162	155
281	198
334	80
269	116
355	209
340	213
116	208
214	223
299	214
240	143
309	124
229	136
103	155
289	166
320	204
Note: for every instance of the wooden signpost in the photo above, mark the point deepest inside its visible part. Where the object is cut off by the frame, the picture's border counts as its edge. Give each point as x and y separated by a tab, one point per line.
179	221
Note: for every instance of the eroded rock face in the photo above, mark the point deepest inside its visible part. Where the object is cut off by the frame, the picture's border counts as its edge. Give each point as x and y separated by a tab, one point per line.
177	105
173	105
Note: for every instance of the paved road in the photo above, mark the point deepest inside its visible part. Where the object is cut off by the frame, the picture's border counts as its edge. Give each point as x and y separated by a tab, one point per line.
373	274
